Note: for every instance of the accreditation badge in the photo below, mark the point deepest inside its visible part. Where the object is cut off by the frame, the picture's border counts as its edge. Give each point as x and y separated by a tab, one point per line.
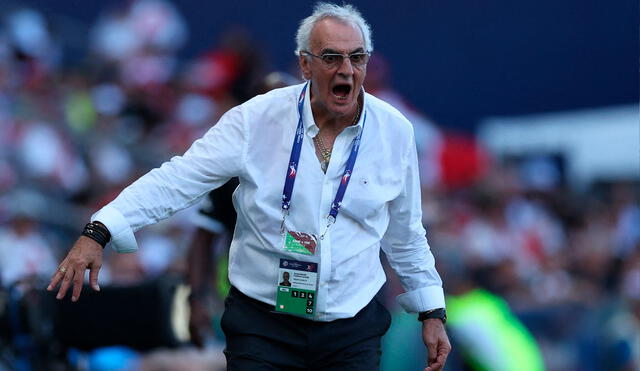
297	287
300	242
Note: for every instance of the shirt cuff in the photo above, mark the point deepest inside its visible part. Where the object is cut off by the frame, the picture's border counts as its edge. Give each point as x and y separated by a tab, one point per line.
421	300
122	238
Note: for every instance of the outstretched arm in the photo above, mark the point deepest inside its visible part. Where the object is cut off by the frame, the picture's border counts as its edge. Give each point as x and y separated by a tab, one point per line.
177	184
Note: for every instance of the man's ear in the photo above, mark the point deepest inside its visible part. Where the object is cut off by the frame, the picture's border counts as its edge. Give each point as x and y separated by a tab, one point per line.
305	67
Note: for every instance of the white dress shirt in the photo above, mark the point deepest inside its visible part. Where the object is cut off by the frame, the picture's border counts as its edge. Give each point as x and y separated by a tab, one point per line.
381	207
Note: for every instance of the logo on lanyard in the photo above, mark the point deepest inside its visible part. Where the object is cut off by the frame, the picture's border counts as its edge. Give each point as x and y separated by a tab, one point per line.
345	177
292	170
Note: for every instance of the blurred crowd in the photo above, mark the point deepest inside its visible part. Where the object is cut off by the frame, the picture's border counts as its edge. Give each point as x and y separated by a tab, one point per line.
72	135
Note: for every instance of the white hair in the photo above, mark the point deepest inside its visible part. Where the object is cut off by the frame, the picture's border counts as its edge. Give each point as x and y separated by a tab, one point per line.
345	13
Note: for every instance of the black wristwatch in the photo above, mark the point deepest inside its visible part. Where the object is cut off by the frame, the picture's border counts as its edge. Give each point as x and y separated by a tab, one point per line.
440	313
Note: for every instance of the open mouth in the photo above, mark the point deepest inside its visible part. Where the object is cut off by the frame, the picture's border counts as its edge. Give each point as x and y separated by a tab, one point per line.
341	91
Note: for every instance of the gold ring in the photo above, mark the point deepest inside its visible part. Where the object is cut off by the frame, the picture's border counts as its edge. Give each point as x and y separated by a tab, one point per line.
62	269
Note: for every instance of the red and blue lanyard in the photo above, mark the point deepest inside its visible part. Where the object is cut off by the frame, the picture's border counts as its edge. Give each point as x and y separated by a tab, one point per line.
292	170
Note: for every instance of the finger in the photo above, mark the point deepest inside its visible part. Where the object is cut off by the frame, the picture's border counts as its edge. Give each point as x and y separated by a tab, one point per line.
432	357
78	282
441	359
434	366
55	279
433	353
66	282
444	354
93	277
437	365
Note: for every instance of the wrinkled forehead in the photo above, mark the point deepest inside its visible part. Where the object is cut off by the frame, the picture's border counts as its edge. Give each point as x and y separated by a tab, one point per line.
336	35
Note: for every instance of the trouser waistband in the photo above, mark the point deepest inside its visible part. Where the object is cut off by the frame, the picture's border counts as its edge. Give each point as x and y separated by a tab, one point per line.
237	294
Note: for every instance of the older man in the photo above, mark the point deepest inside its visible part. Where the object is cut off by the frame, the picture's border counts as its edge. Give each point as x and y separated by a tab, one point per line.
328	176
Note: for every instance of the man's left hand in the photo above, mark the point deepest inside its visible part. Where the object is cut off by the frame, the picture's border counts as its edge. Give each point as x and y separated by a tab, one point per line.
437	342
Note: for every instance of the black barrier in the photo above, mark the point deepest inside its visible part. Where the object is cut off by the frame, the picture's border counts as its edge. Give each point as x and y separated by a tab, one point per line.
146	316
142	317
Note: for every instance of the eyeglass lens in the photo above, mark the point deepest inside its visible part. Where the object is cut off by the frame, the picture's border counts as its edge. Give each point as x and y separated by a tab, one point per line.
357	59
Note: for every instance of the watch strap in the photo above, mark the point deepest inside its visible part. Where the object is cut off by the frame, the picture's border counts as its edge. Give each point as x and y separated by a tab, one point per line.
439	313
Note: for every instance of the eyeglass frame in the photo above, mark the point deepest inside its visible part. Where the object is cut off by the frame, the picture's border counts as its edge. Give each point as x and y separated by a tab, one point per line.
341	55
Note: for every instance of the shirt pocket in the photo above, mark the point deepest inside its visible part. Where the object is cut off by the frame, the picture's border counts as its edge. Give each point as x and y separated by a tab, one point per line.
368	196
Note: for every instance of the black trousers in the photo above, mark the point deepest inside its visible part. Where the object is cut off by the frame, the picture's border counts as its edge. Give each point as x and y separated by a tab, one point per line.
258	339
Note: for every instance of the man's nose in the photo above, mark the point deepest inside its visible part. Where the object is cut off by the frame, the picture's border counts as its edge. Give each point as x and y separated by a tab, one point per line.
345	68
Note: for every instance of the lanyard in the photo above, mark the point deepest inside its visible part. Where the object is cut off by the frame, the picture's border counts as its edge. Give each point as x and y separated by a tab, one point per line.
292	171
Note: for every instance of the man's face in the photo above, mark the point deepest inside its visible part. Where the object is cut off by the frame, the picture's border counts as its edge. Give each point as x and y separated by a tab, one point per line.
334	89
285	276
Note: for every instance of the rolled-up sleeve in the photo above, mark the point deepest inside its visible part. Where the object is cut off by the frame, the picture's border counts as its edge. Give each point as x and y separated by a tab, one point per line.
406	247
179	183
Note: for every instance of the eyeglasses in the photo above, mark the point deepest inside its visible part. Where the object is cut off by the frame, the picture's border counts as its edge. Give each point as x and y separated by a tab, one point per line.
332	60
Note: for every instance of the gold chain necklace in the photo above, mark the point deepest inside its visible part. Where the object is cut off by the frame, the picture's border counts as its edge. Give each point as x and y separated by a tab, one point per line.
324	151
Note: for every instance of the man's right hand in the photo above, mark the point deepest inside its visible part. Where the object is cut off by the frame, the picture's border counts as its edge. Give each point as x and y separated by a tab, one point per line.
85	254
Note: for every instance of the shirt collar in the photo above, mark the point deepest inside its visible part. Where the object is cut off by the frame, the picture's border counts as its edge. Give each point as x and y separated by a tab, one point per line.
310	126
